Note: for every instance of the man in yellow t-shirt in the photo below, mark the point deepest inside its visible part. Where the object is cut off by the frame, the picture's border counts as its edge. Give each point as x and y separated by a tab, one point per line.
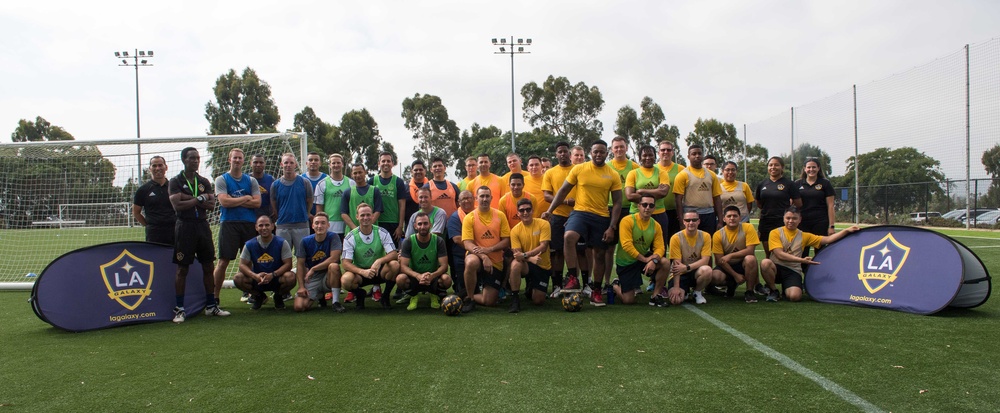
552	181
590	220
697	189
490	180
533	184
733	248
785	263
485	234
529	240
690	255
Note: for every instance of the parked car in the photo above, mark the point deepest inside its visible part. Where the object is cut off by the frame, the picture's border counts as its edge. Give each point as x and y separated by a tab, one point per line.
975	213
990	218
954	214
922	216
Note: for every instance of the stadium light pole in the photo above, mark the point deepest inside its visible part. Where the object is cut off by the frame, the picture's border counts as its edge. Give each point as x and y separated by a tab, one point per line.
144	55
514	49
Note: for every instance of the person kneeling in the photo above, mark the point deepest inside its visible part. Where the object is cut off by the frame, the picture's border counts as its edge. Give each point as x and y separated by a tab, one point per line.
529	240
265	265
318	270
423	264
690	253
640	251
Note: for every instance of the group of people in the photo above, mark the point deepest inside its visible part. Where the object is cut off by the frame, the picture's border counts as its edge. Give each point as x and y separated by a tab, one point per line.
485	236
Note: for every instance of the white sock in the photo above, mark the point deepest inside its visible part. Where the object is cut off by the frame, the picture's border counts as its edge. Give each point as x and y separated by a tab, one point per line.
336	295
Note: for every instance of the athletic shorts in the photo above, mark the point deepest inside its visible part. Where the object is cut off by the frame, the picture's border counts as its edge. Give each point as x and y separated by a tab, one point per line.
232	236
193	238
391	228
490	279
537	278
673	225
764	228
621	217
160	234
688	281
630	276
708	223
294	236
558	228
736	267
416	287
316	286
590	226
787	277
664	221
274	285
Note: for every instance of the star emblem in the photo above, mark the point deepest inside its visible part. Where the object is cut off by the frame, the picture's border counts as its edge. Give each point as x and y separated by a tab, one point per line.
884	250
127	267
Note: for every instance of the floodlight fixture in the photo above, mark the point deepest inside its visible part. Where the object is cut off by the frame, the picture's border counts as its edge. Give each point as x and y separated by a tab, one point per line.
118	54
142	53
150	52
521	44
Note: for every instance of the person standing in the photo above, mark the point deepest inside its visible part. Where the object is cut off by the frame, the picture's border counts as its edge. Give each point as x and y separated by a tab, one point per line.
533	184
817	201
151	206
314	175
736	193
471	171
239	197
496	184
698	189
330	192
192	199
292	198
774	195
264	181
394	194
551	183
667	165
444	194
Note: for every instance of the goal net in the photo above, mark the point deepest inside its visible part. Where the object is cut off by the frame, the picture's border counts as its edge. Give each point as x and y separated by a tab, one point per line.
56	197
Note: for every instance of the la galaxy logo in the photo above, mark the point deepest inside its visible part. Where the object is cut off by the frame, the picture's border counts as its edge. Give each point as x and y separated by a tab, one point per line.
129	279
881	262
781	187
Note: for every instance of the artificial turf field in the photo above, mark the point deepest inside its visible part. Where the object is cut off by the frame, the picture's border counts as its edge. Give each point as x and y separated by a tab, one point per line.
792	357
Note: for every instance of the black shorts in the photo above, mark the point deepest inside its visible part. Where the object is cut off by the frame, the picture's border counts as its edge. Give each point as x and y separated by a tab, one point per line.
160	234
736	267
664	220
621	217
537	279
591	228
630	276
232	236
490	279
787	277
673	224
391	228
764	228
558	228
416	287
688	281
274	285
193	238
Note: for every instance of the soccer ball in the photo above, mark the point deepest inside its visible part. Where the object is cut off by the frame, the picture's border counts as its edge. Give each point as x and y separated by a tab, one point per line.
572	302
451	305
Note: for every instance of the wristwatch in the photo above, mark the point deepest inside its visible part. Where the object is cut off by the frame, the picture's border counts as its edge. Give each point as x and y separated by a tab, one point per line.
656	261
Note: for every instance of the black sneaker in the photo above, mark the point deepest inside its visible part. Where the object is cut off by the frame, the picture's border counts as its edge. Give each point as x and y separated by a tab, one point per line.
386	304
258	300
515	304
359	303
338	307
279	302
469	305
658	302
761	289
773	296
750	297
730	287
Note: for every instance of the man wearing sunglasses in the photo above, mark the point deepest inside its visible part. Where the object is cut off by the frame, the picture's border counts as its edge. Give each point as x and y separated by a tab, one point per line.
690	254
529	240
640	252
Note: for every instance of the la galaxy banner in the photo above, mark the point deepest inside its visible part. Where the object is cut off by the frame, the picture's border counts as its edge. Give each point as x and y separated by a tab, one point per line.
112	285
900	268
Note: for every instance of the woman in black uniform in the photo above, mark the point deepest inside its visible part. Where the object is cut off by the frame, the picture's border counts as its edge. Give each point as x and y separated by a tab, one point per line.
817	201
774	195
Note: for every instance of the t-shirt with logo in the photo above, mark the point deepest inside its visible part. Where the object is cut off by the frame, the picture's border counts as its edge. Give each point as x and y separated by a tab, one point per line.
486	230
775	197
593	186
528	237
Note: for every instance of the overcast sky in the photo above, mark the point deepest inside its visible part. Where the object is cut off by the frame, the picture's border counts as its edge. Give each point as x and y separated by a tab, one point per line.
737	61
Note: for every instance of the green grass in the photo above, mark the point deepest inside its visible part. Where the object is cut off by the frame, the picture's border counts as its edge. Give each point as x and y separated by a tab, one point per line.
616	358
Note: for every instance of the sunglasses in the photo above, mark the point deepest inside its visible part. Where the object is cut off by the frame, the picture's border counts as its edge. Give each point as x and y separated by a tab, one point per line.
690	219
647	204
524	210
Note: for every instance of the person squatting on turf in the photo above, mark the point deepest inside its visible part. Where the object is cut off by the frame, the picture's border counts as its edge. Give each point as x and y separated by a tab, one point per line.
192	199
640	252
369	258
690	256
266	265
785	264
733	248
485	233
529	241
423	263
318	266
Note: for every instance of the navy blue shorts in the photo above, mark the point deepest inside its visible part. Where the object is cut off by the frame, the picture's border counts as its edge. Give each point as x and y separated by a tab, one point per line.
490	279
630	276
557	224
537	278
590	226
688	281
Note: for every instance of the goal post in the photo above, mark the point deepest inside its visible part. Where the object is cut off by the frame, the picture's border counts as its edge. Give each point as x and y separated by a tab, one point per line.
56	197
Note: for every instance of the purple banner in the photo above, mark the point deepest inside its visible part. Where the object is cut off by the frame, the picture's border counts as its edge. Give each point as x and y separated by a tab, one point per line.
111	285
900	268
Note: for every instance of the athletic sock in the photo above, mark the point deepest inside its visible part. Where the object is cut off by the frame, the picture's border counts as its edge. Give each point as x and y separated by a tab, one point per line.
389	284
596	285
586	277
210	300
557	279
336	295
180	300
571	272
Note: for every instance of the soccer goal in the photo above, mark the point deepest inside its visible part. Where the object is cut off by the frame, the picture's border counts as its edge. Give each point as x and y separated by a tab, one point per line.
56	197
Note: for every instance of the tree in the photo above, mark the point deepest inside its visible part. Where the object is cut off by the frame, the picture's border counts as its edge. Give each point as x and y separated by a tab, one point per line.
243	104
324	137
646	128
755	163
537	142
806	151
563	109
434	133
882	171
718	138
991	161
359	132
469	141
39	130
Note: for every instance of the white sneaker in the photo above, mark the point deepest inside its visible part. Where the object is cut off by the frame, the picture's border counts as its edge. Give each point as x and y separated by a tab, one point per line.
178	315
556	292
698	298
587	291
245	297
216	311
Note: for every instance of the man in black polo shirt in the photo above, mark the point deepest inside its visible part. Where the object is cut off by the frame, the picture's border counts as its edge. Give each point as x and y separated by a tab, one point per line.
151	206
192	197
